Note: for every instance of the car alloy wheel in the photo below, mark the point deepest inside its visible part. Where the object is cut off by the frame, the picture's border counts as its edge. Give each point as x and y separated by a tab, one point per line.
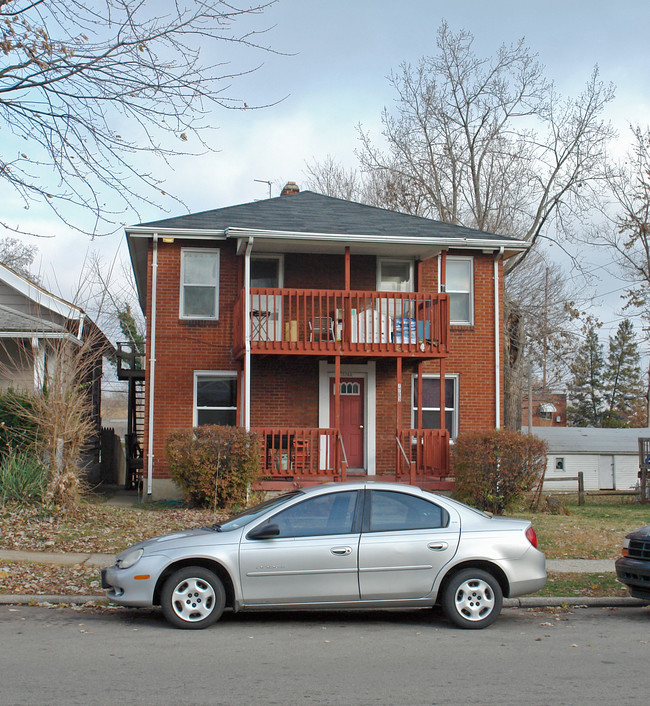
193	598
472	599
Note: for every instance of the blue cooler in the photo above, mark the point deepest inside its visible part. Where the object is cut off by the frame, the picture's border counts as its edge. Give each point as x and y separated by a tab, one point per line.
405	330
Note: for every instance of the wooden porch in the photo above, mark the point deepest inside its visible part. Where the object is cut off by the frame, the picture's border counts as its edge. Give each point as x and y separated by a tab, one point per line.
342	322
297	457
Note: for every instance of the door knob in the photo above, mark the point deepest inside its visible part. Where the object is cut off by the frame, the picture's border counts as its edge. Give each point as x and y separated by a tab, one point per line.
360	426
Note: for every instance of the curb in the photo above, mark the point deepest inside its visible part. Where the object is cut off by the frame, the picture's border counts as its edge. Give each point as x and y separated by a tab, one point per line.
82	558
523	602
37	599
574	602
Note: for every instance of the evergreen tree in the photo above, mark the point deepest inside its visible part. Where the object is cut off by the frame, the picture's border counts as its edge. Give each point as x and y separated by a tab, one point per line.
624	394
587	379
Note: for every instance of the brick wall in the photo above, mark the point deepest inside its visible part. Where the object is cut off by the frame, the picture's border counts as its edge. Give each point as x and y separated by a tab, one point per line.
284	390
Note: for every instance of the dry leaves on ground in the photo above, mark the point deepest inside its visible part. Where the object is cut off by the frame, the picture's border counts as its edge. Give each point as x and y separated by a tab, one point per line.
26	578
104	529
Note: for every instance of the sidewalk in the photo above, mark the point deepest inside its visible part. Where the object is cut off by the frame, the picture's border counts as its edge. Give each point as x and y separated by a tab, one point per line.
587	566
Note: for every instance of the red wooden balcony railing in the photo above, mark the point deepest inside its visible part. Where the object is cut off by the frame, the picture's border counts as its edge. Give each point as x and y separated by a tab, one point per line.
422	453
304	454
316	321
301	453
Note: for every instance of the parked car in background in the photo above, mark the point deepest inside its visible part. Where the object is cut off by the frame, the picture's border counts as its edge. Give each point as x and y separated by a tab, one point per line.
340	545
633	567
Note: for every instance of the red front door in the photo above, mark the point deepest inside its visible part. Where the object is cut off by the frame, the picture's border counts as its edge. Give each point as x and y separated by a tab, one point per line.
352	426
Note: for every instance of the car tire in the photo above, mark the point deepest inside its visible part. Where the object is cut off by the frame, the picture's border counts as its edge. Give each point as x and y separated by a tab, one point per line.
472	599
193	598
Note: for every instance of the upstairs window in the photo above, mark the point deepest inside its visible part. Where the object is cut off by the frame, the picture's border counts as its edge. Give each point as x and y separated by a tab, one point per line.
199	284
460	288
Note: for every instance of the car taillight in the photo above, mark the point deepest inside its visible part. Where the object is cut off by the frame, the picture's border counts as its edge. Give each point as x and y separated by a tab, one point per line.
531	536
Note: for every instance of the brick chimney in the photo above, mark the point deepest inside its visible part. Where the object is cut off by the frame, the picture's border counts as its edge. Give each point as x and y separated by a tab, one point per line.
290	188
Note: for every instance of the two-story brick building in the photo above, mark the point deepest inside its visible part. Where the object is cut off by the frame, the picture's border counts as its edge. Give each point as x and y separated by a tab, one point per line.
326	326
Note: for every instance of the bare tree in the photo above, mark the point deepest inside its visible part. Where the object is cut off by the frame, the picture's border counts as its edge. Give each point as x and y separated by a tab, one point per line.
18	256
488	142
543	306
626	231
86	87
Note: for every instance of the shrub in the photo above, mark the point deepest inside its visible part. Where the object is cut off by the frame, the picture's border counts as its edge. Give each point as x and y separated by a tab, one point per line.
496	467
214	465
23	478
16	433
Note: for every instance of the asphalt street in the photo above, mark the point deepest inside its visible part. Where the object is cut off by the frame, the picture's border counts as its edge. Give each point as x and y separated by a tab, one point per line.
529	656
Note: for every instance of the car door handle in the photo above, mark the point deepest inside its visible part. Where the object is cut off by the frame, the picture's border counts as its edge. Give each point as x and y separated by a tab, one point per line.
437	546
341	551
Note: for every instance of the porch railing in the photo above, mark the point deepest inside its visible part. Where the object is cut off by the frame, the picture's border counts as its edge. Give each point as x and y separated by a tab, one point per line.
295	452
423	452
350	322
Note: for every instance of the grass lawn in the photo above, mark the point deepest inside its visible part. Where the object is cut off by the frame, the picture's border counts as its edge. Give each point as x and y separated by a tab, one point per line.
593	531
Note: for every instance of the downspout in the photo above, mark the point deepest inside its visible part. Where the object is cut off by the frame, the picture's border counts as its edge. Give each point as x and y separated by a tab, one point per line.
497	342
152	361
80	328
247	334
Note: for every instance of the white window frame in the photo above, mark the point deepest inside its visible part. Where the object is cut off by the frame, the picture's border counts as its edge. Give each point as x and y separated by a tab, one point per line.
395	260
454	410
469	292
212	375
183	284
560	464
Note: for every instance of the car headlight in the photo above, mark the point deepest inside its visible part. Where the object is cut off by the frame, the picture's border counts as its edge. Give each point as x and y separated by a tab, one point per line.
626	546
130	558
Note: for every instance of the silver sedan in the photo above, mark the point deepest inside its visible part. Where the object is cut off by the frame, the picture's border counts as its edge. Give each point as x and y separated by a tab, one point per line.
341	545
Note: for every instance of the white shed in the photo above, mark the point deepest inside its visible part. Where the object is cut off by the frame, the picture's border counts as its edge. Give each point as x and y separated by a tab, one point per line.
609	458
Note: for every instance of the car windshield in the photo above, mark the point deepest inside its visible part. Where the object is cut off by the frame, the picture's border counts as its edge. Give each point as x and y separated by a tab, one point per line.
243	518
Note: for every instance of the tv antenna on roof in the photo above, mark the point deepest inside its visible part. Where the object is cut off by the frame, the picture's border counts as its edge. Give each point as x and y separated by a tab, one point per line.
263	181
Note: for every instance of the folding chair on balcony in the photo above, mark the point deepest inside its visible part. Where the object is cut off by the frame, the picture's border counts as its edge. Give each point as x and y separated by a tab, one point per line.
321	328
301	454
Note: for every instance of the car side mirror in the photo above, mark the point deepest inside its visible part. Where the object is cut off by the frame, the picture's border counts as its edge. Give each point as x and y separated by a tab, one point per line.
265	532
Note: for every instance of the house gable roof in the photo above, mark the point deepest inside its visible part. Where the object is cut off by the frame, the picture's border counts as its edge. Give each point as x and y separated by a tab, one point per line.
309	212
313	222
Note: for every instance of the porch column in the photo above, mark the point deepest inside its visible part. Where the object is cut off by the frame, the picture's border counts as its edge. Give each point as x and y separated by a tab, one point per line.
398	404
337	392
347	268
420	369
442	394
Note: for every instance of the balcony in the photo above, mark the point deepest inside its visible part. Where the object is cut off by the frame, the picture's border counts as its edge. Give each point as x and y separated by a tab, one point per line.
351	323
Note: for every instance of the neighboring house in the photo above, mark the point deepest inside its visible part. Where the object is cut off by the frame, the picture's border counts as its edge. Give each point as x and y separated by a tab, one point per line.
609	458
548	410
326	326
35	325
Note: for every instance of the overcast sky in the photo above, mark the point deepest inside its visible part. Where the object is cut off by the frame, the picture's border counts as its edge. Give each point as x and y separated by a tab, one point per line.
333	76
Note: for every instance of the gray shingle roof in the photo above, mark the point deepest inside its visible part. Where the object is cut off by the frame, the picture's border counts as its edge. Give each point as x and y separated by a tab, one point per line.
587	440
308	212
19	322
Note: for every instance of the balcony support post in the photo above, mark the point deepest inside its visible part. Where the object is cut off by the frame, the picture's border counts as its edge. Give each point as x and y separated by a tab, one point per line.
420	369
347	268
